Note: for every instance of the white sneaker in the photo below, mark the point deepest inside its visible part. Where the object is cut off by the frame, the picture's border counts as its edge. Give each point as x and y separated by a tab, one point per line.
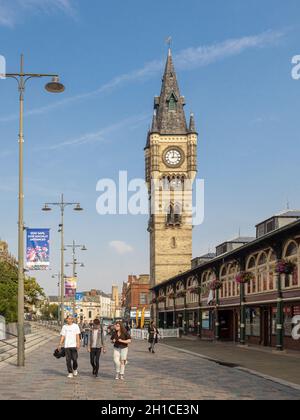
122	378
70	376
75	373
117	377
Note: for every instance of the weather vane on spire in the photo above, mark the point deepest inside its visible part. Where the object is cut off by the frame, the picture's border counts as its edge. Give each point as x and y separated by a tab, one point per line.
169	42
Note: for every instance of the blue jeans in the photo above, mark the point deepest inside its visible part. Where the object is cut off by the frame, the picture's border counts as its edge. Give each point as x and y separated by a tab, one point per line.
85	339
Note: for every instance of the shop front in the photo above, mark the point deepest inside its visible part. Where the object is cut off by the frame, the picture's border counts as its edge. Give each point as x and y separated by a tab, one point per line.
261	324
229	324
192	322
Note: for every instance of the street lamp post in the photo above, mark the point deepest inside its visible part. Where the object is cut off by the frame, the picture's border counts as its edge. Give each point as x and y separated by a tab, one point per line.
62	205
75	263
54	87
58	295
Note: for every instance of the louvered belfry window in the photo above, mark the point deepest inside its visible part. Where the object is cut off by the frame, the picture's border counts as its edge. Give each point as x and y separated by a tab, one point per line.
172	103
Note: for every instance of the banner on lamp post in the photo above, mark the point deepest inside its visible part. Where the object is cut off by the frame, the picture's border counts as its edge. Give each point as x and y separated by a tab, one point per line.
38	249
79	297
70	287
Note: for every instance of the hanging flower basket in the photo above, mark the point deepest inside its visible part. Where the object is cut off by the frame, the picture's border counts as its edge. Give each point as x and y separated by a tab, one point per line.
195	290
285	267
245	277
172	295
215	285
161	299
181	294
154	300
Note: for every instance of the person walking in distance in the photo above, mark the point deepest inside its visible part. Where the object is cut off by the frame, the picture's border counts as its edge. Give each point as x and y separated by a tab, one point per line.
96	344
153	336
70	340
86	332
121	339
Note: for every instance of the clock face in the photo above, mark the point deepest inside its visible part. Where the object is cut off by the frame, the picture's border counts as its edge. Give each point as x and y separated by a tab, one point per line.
173	157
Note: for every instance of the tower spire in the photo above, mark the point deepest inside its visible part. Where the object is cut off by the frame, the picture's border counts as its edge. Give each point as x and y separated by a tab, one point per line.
170	104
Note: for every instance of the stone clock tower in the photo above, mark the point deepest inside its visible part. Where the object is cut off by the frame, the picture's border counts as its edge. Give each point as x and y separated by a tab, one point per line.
171	167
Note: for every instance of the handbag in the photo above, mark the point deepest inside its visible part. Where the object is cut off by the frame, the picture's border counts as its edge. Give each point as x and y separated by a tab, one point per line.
58	354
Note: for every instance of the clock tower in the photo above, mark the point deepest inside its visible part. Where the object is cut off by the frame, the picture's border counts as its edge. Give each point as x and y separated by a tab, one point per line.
171	167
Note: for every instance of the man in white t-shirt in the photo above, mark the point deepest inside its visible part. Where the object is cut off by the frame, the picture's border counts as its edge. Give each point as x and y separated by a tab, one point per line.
70	340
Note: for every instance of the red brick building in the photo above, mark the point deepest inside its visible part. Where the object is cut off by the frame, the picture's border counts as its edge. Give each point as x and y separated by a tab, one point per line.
136	297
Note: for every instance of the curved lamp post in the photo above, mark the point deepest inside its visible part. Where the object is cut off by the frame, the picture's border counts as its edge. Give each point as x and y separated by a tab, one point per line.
55	86
62	205
75	263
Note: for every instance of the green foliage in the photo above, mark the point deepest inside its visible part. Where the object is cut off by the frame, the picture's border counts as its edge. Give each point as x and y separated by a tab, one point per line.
9	291
33	292
49	312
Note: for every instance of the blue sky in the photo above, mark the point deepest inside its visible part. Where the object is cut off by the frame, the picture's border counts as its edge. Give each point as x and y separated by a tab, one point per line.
233	61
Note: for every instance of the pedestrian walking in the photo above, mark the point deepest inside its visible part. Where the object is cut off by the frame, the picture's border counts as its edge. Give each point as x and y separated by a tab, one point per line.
96	345
86	331
70	340
121	339
153	336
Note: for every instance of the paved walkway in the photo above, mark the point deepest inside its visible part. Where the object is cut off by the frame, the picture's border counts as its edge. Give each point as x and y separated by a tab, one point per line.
267	362
169	374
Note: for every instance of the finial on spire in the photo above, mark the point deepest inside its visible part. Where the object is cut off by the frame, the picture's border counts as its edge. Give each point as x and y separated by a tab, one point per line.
169	42
154	127
192	127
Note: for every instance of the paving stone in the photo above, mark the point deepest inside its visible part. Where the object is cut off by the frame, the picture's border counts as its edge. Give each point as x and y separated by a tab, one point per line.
168	374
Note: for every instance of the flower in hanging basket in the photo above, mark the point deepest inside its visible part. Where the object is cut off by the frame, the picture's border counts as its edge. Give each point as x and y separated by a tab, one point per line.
285	267
195	290
215	285
154	300
181	294
161	299
245	277
171	295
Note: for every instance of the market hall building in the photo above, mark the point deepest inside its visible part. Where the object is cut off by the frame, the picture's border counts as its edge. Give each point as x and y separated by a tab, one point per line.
210	300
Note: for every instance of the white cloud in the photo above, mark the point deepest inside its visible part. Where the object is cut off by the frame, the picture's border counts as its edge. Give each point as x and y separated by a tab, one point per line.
99	135
187	59
13	11
121	247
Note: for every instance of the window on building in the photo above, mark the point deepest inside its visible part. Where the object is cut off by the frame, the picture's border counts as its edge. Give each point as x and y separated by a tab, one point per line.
143	299
206	320
172	103
292	280
270	226
253	320
291	250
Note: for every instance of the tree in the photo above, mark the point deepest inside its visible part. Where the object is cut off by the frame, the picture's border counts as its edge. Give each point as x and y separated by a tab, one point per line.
33	293
49	312
9	291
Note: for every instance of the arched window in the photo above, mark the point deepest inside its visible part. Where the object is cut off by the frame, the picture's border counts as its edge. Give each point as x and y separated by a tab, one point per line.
177	213
291	254
170	215
291	250
252	263
172	103
174	215
262	259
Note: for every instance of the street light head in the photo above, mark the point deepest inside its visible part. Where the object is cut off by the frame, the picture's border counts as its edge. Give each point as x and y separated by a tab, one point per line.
84	248
46	208
78	208
55	86
82	265
67	265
